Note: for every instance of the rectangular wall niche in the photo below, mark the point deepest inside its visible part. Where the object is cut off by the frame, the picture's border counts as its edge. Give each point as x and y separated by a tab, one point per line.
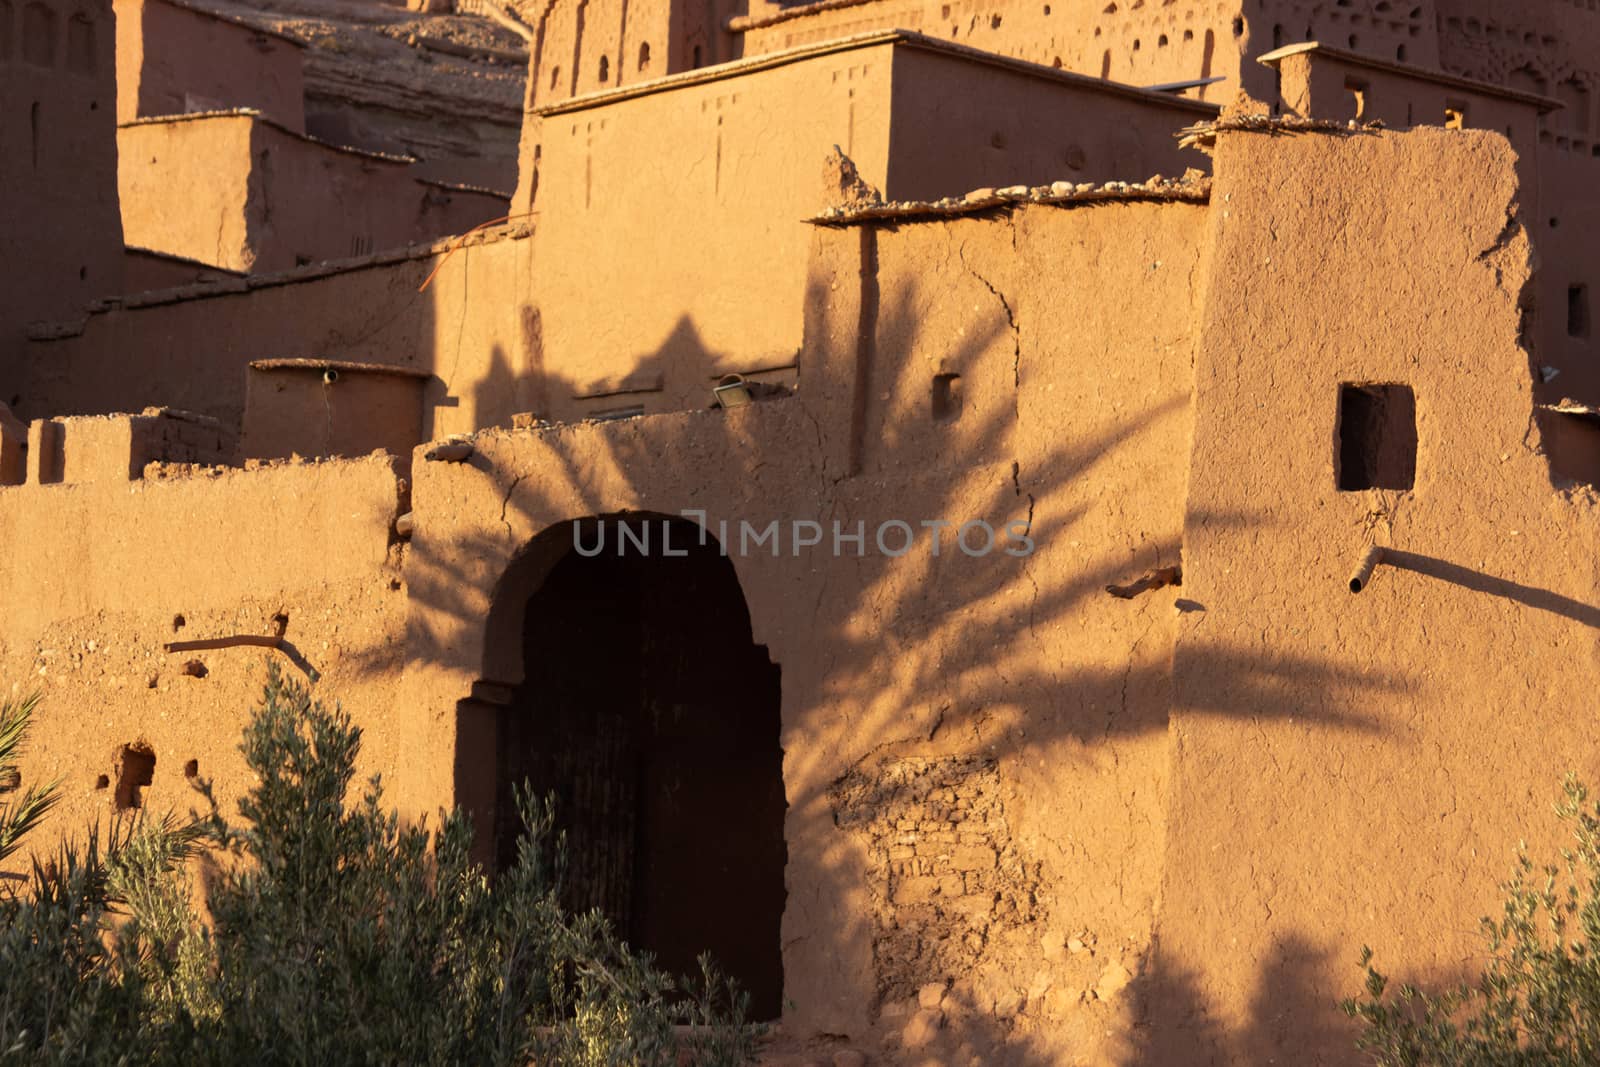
1377	437
1578	311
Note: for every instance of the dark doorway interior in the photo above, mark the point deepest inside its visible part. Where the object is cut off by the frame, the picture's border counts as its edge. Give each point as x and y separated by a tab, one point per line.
649	714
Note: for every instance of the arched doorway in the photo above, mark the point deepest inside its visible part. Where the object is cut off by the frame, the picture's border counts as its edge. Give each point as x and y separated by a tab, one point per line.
646	709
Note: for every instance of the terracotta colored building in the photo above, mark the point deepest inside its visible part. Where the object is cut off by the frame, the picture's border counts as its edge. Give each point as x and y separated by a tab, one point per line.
901	494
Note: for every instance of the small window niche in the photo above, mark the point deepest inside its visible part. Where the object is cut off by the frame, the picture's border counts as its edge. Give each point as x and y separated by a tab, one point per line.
1578	311
1377	437
1357	90
946	397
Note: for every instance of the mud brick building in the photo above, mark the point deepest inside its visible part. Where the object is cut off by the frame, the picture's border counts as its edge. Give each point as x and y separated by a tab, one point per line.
1197	301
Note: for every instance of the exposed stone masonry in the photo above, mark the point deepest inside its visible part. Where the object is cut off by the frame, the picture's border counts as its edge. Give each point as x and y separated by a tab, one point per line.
945	876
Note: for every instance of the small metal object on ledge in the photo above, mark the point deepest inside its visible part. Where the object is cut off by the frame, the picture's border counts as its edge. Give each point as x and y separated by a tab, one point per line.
1363	573
731	391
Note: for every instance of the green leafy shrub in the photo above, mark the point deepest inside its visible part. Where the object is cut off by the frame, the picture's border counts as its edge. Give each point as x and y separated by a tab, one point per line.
334	935
19	816
1537	1000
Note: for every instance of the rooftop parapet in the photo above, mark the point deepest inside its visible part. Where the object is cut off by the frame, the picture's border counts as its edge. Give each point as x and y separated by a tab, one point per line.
1320	82
111	448
325	407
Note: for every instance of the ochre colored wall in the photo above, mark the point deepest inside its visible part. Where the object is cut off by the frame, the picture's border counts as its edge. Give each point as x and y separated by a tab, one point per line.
313	411
173	59
311	202
183	186
1137	44
704	261
958	125
1023	670
190	348
1358	769
244	194
703	258
89	607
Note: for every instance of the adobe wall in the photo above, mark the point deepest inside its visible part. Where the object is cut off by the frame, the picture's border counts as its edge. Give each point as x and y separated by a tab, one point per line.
1556	174
244	194
1018	686
190	347
182	188
1541	46
1137	44
144	271
1367	782
959	124
600	45
173	59
475	331
311	202
97	577
705	266
57	163
331	408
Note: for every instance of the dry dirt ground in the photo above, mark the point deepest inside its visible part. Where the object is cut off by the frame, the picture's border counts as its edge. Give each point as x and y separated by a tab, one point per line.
444	88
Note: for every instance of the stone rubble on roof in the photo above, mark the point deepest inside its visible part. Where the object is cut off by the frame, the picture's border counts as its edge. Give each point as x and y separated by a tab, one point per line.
1194	186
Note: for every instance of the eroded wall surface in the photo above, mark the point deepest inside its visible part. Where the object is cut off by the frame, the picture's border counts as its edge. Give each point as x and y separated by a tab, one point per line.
975	746
99	576
1351	769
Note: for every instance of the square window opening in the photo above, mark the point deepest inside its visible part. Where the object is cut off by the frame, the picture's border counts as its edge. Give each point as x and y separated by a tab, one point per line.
1377	437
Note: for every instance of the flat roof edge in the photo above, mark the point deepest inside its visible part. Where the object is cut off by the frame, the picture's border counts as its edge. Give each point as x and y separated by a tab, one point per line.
263	119
872	39
315	363
65	328
1427	74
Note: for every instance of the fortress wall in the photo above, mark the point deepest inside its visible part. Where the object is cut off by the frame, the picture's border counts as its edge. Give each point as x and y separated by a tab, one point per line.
244	194
1158	44
98	576
1017	685
173	59
57	164
702	263
1135	44
685	209
981	125
1368	783
190	348
207	164
311	202
1567	277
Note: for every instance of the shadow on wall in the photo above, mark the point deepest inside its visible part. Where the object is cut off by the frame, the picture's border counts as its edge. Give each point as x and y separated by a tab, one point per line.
980	650
1478	582
1291	1008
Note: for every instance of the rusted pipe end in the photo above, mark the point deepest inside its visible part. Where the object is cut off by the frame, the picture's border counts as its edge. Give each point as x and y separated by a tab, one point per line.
1363	575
